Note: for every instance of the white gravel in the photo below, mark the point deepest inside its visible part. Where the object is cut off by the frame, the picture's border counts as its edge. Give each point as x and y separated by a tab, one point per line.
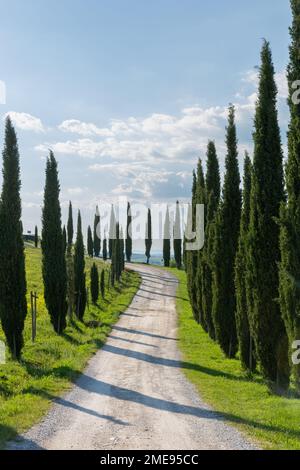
133	394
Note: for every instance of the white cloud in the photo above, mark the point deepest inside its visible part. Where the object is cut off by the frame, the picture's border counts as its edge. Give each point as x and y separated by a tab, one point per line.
75	191
82	128
26	121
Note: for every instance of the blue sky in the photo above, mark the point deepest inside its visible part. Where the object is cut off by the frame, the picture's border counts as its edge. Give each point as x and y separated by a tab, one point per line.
128	92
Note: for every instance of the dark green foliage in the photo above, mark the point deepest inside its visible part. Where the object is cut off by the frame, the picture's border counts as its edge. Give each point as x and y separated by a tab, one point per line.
104	252
246	344
64	234
196	256
13	306
122	251
148	236
94	283
36	237
79	272
102	284
112	231
267	194
90	243
226	233
54	263
290	214
97	234
118	260
212	198
129	235
193	257
177	238
70	229
167	240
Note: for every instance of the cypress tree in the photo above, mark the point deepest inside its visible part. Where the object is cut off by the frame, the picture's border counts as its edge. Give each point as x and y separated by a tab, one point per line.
267	194
122	251
129	234
177	238
54	262
290	214
94	283
246	346
225	247
193	257
97	234
79	272
102	284
90	243
148	237
70	229
70	264
112	231
167	241
13	306
198	255
64	233
212	198
104	248
36	237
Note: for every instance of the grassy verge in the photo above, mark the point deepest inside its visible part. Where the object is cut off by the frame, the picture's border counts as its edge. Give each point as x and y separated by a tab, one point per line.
50	365
272	421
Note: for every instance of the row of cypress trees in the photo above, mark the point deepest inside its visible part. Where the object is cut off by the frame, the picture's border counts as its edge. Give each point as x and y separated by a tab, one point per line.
63	261
244	284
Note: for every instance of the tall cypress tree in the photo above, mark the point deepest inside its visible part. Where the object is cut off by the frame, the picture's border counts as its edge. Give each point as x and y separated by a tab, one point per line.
104	252
290	214
198	255
64	233
167	241
177	238
97	234
225	246
94	276
212	198
13	306
70	264
148	236
112	231
36	237
122	251
129	234
70	229
247	353
90	243
267	194
193	257
102	283
54	262
189	254
79	272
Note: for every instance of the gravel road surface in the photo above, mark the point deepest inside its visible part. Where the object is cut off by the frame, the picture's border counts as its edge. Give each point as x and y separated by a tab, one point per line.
133	394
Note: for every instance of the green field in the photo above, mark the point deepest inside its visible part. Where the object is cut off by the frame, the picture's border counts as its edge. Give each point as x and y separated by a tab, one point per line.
51	364
271	421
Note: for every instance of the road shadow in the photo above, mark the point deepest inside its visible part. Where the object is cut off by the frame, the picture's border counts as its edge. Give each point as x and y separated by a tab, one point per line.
163	294
142	333
131	341
102	388
69	404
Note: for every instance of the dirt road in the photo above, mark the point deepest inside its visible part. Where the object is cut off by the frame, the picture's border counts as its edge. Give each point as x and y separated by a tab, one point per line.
133	394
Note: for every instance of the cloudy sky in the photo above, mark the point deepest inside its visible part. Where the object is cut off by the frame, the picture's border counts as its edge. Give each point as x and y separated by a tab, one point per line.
128	92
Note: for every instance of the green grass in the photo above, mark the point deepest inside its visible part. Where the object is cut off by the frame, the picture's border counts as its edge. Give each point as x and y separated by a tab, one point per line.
53	362
271	421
